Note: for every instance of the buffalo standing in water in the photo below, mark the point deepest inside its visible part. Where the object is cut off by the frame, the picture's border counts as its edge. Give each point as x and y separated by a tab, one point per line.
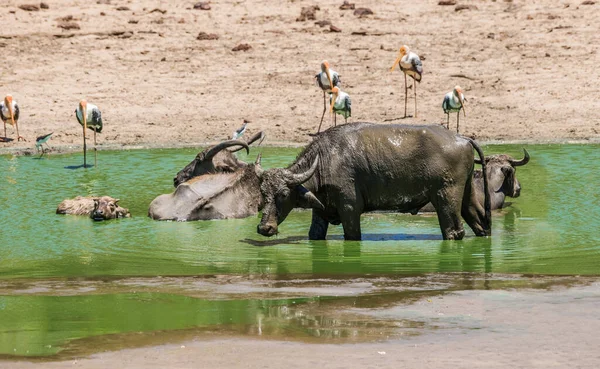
502	179
97	208
361	167
216	159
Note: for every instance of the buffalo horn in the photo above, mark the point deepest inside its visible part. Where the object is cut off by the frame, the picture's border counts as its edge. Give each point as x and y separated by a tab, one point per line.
299	178
258	136
525	160
223	145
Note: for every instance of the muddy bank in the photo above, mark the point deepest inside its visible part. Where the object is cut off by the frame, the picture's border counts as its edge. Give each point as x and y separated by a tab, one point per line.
510	328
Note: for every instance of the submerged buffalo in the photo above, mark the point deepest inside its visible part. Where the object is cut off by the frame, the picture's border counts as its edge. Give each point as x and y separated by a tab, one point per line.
211	196
217	159
97	208
361	167
502	179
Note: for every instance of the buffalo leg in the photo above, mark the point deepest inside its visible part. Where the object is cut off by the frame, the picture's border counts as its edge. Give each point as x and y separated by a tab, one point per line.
473	212
318	227
447	204
350	217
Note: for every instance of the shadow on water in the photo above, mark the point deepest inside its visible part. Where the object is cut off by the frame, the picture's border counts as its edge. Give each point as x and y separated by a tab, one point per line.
339	237
78	166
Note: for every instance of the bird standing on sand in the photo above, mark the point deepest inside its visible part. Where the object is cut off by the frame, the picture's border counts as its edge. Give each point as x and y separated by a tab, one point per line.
88	115
340	104
40	141
240	131
454	101
327	79
9	112
411	65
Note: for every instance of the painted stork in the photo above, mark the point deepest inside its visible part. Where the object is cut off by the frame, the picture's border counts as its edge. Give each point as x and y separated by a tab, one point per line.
41	140
9	112
340	104
240	131
327	79
454	101
410	65
88	115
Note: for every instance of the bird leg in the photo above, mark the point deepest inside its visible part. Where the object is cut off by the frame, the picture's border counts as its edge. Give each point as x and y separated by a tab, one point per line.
5	130
448	121
95	150
324	110
334	119
415	87
405	94
19	137
84	146
457	120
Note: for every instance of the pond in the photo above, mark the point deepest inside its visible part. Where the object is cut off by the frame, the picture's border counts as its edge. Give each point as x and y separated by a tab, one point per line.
69	286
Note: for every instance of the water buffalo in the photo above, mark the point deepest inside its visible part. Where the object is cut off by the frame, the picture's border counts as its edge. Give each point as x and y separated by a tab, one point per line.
502	179
216	159
361	167
211	196
97	208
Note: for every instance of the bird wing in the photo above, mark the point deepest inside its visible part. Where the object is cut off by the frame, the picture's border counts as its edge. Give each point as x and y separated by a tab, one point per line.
446	104
348	106
16	112
2	114
77	115
97	119
335	79
417	66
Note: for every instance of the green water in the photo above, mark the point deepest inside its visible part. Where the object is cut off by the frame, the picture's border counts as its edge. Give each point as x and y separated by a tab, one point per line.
65	278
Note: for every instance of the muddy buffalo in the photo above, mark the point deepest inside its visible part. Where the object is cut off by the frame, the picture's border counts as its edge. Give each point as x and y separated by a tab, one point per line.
502	179
217	159
361	167
97	208
211	196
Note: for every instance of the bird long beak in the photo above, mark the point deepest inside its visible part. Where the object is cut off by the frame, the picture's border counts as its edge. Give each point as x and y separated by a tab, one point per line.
396	63
462	103
333	98
8	102
329	77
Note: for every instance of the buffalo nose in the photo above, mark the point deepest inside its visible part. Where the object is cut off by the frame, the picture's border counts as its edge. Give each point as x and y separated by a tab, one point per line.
517	190
266	230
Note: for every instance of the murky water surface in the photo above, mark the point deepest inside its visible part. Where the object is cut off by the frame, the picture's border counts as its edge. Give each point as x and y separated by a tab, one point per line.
70	286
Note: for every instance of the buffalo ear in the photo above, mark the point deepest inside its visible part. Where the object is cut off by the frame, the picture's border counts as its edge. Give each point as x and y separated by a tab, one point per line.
307	199
257	167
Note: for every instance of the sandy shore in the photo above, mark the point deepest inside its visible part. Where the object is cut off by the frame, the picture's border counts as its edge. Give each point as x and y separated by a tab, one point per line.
528	69
554	328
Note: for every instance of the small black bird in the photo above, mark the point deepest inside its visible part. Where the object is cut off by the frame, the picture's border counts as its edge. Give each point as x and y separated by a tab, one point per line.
40	140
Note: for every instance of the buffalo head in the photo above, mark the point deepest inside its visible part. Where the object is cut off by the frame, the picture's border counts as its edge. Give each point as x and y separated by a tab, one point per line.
282	190
106	207
213	160
502	173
